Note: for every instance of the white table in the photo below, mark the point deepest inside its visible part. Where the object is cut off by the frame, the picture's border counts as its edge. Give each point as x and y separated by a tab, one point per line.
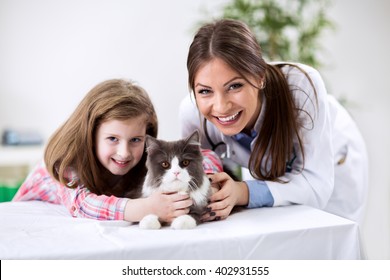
39	230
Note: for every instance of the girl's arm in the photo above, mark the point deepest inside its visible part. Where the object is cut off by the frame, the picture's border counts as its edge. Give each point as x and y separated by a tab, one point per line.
38	186
80	202
211	162
165	206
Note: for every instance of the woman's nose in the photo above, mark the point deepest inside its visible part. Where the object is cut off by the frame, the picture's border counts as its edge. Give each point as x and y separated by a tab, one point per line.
221	103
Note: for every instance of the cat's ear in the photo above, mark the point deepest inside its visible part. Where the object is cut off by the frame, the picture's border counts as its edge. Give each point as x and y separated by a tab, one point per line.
150	143
193	139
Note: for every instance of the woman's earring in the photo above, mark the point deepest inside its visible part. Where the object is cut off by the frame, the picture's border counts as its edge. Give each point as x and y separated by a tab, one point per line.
262	84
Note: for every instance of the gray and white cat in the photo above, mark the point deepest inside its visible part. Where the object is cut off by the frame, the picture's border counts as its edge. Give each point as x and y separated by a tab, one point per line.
176	166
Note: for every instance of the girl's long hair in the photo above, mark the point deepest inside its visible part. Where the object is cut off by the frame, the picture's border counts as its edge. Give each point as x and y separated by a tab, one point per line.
72	146
234	43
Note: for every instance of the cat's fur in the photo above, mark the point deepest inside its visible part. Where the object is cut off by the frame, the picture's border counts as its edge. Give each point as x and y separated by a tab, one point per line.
176	166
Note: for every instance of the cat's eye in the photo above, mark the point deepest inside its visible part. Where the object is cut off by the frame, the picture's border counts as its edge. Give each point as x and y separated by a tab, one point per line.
165	164
185	162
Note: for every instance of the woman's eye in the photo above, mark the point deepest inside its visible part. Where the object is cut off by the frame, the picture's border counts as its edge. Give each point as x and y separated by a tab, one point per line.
165	164
185	162
235	86
204	91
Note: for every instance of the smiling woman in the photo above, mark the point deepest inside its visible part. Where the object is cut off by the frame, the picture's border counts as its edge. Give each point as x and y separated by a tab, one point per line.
276	119
226	99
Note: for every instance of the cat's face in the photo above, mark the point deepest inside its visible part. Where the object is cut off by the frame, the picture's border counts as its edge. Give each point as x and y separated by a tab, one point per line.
174	166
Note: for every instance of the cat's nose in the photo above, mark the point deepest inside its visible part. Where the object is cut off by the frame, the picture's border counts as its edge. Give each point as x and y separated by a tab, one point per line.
176	173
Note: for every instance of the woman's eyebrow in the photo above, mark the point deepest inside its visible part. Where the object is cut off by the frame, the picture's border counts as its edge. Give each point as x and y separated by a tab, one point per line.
238	77
199	84
225	84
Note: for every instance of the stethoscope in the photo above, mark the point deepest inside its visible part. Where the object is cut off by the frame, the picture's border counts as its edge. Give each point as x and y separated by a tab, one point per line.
225	156
206	132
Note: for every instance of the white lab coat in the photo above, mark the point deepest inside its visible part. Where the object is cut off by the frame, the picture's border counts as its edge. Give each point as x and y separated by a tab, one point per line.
335	175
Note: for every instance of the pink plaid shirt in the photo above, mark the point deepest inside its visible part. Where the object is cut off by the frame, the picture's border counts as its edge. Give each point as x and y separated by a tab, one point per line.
80	202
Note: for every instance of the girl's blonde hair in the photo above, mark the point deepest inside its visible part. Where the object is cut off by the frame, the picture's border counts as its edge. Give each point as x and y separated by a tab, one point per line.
72	146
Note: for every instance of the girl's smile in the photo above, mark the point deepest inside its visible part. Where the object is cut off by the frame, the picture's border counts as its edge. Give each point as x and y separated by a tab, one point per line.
120	144
121	164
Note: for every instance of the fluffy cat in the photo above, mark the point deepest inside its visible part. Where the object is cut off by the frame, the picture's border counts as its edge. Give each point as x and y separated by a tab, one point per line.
176	166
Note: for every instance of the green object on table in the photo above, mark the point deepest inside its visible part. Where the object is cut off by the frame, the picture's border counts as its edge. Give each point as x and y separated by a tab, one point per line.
7	192
11	178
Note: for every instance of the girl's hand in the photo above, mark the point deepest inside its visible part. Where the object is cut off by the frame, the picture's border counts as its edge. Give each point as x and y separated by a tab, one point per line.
231	193
166	206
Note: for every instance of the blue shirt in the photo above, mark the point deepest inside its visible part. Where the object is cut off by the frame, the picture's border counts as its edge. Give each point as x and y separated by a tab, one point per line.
259	193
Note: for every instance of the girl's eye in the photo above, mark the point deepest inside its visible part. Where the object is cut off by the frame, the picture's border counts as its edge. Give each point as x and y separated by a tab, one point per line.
165	164
135	140
185	162
112	139
235	86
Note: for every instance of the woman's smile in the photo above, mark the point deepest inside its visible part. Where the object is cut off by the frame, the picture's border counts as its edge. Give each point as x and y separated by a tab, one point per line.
228	119
226	98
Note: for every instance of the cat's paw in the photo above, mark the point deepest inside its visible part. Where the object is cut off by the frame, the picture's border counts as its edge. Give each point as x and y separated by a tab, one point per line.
183	222
150	222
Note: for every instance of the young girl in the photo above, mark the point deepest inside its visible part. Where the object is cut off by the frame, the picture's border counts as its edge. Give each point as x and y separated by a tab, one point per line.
300	145
97	157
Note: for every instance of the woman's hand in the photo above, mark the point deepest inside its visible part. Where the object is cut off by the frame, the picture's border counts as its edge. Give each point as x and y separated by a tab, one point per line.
167	206
231	193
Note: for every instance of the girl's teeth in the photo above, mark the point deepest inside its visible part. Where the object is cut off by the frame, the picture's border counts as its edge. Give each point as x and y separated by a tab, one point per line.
230	118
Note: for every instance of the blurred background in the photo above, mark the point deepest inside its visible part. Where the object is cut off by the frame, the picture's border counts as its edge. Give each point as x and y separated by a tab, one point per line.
52	52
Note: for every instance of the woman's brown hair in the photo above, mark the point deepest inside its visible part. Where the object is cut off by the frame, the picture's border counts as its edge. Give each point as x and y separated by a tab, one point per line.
72	146
234	43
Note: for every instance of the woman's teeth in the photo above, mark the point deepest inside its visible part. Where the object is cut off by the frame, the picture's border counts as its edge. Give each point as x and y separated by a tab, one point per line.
229	118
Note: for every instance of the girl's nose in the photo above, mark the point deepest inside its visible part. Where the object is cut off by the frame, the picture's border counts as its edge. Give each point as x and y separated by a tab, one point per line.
123	151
